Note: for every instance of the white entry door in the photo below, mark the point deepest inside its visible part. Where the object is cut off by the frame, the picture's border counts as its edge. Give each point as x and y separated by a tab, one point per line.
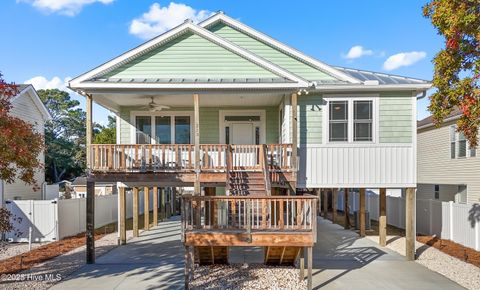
242	133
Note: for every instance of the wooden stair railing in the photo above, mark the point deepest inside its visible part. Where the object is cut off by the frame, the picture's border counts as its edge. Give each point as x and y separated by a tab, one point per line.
266	169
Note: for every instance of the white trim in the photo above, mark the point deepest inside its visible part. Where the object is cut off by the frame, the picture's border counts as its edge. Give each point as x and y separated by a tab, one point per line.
106	85
414	136
221	121
36	100
117	127
350	99
133	122
333	88
286	49
186	26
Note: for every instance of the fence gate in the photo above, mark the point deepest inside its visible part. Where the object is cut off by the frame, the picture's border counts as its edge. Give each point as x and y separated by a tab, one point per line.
40	215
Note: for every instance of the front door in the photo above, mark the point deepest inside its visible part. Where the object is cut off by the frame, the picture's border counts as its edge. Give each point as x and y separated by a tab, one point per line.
242	133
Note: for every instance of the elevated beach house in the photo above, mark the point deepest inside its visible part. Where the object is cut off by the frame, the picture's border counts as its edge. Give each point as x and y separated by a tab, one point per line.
247	121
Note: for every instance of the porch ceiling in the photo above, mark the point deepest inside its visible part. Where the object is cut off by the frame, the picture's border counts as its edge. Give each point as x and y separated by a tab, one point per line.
113	101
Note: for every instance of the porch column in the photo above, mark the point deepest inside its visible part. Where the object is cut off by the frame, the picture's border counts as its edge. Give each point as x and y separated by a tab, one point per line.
146	208
334	204
196	118
345	209
155	205
135	212
90	222
89	126
301	275
293	103
362	212
410	224
325	203
123	216
318	193
382	217
162	203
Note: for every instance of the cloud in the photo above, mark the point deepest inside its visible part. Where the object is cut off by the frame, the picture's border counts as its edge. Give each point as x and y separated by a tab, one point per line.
160	19
357	51
65	7
403	59
41	82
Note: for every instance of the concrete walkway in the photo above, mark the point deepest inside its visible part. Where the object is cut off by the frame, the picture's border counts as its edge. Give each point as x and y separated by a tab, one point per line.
152	261
342	260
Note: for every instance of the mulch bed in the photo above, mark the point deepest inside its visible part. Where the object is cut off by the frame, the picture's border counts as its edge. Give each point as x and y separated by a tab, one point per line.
46	252
448	247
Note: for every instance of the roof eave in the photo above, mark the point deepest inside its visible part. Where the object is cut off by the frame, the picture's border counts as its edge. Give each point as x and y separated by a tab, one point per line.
361	87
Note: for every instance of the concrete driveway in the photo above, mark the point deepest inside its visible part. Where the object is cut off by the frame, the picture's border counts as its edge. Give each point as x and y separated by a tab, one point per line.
152	261
341	260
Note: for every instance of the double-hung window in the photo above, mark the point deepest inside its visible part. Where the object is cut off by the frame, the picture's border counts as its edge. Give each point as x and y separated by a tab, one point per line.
362	120
459	146
338	124
351	120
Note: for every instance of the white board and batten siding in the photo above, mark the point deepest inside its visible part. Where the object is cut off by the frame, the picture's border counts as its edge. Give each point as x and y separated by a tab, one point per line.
388	161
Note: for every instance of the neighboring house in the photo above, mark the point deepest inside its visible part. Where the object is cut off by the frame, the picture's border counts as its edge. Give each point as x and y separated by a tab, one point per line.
448	169
227	109
28	107
79	186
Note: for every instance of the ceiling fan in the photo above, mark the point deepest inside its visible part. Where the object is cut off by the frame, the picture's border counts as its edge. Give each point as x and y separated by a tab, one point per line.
154	107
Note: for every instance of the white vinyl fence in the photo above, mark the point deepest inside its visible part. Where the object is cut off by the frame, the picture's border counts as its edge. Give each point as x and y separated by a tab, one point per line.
447	220
52	220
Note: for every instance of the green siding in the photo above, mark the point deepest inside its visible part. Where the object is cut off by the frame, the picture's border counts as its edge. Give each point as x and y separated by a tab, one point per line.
395	117
309	114
190	56
209	123
271	54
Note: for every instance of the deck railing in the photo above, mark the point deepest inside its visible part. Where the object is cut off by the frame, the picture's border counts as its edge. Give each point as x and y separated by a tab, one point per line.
249	213
181	157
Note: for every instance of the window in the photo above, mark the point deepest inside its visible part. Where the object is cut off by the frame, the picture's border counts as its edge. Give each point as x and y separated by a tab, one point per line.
227	135
362	120
462	145
459	146
437	191
144	128
163	130
182	130
453	143
257	135
338	121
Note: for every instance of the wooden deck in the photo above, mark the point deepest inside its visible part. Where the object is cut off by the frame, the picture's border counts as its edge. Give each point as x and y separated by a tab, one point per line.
249	220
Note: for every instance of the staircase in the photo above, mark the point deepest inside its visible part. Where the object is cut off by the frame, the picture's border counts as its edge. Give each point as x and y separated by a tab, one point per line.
246	183
281	255
211	255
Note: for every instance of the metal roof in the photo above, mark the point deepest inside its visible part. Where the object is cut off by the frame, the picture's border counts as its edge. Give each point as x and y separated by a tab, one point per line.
191	80
382	78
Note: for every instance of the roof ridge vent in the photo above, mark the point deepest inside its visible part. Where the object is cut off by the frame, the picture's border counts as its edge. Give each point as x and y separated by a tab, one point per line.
220	12
188	20
371	82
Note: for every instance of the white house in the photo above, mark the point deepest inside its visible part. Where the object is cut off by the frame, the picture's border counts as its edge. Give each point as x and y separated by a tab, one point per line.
448	169
27	106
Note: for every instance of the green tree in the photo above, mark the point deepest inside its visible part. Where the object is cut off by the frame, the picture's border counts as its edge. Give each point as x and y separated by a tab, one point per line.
106	135
65	136
457	65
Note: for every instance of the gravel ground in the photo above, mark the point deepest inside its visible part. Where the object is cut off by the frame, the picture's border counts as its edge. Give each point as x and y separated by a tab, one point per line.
13	249
59	267
464	274
255	276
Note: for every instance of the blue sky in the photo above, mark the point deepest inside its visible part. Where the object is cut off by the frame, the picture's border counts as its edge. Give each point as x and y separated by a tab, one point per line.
51	40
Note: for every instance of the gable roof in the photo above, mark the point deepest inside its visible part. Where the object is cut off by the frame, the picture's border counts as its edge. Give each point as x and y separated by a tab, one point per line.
93	78
27	89
221	17
278	68
428	121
